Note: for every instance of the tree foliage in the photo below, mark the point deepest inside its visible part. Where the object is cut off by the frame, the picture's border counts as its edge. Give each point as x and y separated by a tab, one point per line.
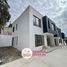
4	13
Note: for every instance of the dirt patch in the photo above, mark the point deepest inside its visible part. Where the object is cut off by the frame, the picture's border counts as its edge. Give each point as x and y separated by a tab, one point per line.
8	54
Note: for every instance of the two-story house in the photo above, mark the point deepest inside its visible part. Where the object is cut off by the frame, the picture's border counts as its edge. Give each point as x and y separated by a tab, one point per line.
28	30
32	30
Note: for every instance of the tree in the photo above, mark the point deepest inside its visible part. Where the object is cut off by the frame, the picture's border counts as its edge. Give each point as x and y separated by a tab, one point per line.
4	13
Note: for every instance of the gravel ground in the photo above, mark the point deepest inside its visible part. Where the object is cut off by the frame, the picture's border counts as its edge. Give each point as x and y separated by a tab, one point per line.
8	54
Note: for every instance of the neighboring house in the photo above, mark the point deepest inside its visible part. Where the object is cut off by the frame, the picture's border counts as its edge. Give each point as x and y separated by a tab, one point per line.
50	27
65	39
6	31
63	35
32	30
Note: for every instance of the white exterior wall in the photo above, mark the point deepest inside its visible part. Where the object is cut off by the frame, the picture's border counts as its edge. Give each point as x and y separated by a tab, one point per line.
26	30
22	30
5	40
34	29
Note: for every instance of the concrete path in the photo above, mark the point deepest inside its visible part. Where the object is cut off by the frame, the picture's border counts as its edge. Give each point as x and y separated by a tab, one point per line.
48	50
34	62
56	58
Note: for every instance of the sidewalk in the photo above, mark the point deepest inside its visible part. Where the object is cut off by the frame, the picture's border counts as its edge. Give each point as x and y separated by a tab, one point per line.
48	50
33	62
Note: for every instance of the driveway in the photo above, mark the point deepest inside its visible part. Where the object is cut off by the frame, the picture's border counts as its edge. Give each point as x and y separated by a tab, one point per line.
56	58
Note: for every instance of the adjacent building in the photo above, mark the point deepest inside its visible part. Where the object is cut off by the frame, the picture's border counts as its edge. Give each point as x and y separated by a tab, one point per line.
6	30
50	27
63	35
65	39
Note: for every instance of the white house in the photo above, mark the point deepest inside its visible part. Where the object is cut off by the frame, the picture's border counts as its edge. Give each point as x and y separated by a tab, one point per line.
28	31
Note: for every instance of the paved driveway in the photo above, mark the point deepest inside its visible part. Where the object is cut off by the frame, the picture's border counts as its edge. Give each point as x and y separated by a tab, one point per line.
34	62
56	58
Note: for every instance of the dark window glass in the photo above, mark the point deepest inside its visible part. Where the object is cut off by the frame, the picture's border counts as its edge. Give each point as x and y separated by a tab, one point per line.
39	40
48	24
39	22
13	29
60	40
54	27
36	21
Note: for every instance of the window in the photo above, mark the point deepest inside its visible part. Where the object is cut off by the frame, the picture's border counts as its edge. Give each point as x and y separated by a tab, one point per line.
16	26
15	40
39	22
60	40
39	40
53	26
48	24
13	29
36	21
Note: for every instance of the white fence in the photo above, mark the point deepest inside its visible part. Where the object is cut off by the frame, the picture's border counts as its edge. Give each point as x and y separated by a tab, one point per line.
5	40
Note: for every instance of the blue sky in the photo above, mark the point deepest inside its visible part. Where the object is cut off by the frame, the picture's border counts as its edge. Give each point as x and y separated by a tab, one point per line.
54	9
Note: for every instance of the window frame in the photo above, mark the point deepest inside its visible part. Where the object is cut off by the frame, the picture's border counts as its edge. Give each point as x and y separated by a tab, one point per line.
60	40
53	26
39	40
35	21
48	24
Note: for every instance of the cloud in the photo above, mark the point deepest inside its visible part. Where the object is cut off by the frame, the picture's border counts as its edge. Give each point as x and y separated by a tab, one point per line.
54	9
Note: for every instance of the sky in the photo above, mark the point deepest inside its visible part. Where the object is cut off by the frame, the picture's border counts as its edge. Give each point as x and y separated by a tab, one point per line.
54	9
